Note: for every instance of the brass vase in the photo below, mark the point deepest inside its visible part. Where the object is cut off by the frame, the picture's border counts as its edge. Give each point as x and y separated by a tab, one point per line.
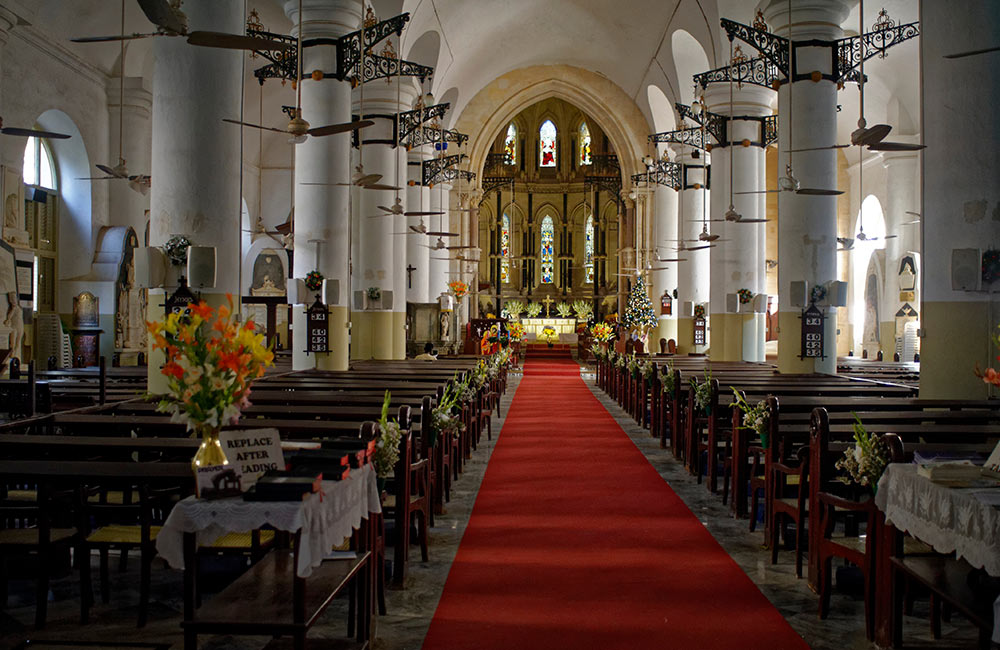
210	452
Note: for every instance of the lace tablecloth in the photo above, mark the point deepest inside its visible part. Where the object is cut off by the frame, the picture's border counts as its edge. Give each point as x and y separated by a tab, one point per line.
949	519
325	519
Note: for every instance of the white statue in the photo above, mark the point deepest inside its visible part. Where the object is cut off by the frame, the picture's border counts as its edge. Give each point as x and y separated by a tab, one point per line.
14	319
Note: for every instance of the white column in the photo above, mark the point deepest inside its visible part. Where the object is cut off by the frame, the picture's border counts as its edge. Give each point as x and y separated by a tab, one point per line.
196	157
417	254
664	229
127	206
693	275
440	200
807	225
902	196
960	193
322	213
738	260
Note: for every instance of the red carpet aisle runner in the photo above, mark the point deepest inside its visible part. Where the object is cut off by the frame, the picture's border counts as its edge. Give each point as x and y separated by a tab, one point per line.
576	542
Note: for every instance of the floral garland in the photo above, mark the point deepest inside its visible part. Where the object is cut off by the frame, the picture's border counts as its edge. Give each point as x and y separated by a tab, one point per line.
699	311
817	293
314	280
745	296
387	443
703	393
459	289
865	460
991	265
175	249
210	363
758	416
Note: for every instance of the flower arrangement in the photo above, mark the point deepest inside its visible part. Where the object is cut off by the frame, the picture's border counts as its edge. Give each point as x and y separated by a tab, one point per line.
533	309
667	379
584	309
549	335
459	289
865	460
515	308
703	393
756	418
443	420
647	369
516	331
699	311
210	362
745	296
599	353
817	293
620	361
633	366
175	249
314	280
373	293
602	332
564	309
990	375
387	444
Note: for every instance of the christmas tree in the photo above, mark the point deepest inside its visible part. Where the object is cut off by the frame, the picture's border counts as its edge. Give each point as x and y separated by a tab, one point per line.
639	311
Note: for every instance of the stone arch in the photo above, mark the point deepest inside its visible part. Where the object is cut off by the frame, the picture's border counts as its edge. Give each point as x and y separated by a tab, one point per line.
664	118
689	59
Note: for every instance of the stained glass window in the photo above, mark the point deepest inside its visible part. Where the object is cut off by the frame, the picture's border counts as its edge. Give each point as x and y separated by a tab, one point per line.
505	249
588	250
510	146
548	237
584	144
547	144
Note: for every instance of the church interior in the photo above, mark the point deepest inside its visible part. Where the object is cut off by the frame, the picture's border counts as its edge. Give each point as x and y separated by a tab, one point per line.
565	324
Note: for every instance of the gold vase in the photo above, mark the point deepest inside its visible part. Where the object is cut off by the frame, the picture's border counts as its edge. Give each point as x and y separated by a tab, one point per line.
210	453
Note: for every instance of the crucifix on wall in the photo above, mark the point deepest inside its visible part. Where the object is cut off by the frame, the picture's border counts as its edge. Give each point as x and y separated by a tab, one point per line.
409	275
548	305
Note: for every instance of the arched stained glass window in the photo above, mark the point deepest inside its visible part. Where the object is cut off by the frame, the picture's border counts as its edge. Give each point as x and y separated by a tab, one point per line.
505	249
588	250
548	237
510	146
584	144
547	144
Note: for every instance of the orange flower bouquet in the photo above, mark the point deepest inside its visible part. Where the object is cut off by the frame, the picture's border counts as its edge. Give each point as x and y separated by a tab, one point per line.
990	375
210	362
459	289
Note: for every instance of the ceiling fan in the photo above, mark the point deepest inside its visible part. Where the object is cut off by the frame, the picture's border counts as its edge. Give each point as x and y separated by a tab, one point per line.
918	219
440	245
846	242
171	21
397	209
137	182
788	182
30	133
421	229
297	127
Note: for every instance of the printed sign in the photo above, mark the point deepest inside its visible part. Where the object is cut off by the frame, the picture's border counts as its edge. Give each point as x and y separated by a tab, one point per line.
699	331
251	452
181	300
812	333
317	328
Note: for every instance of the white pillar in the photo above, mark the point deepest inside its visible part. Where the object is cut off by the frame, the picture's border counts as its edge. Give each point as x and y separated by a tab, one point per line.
664	229
738	260
195	156
128	207
807	225
417	254
692	275
902	196
960	195
440	201
322	213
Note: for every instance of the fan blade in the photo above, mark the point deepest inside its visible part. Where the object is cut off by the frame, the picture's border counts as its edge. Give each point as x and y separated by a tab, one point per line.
910	223
382	207
750	221
895	146
421	214
961	55
812	191
99	178
871	135
330	184
332	129
832	146
434	233
455	248
673	259
107	39
33	133
698	248
254	126
109	171
380	186
161	14
234	41
759	192
890	236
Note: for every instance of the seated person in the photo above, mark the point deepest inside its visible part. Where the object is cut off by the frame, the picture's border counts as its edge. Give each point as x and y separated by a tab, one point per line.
430	354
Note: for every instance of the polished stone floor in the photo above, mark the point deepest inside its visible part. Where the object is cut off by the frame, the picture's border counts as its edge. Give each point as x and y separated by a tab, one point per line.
411	609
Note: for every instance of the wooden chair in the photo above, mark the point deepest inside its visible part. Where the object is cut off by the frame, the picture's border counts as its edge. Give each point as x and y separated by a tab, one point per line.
123	526
789	503
31	527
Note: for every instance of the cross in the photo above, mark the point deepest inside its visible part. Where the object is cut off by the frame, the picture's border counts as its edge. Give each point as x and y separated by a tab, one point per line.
409	275
548	305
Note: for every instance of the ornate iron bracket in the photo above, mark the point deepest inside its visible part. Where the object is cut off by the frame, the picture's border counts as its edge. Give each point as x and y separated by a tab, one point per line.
283	63
605	163
491	183
612	184
431	169
349	45
409	121
430	135
773	48
758	72
714	123
695	137
386	67
450	174
851	50
664	173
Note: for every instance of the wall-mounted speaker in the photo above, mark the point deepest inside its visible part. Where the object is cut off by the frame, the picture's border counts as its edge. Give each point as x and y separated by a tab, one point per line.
759	303
297	293
39	196
798	293
201	267
359	300
732	303
687	309
836	293
387	299
150	267
966	269
331	291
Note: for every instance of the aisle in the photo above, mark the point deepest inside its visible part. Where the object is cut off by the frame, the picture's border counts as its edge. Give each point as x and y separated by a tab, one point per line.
576	542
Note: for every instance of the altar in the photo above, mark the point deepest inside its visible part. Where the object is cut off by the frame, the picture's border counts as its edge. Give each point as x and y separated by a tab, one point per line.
564	327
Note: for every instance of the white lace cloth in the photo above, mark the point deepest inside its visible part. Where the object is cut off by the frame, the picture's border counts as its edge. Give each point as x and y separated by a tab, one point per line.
325	519
949	519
